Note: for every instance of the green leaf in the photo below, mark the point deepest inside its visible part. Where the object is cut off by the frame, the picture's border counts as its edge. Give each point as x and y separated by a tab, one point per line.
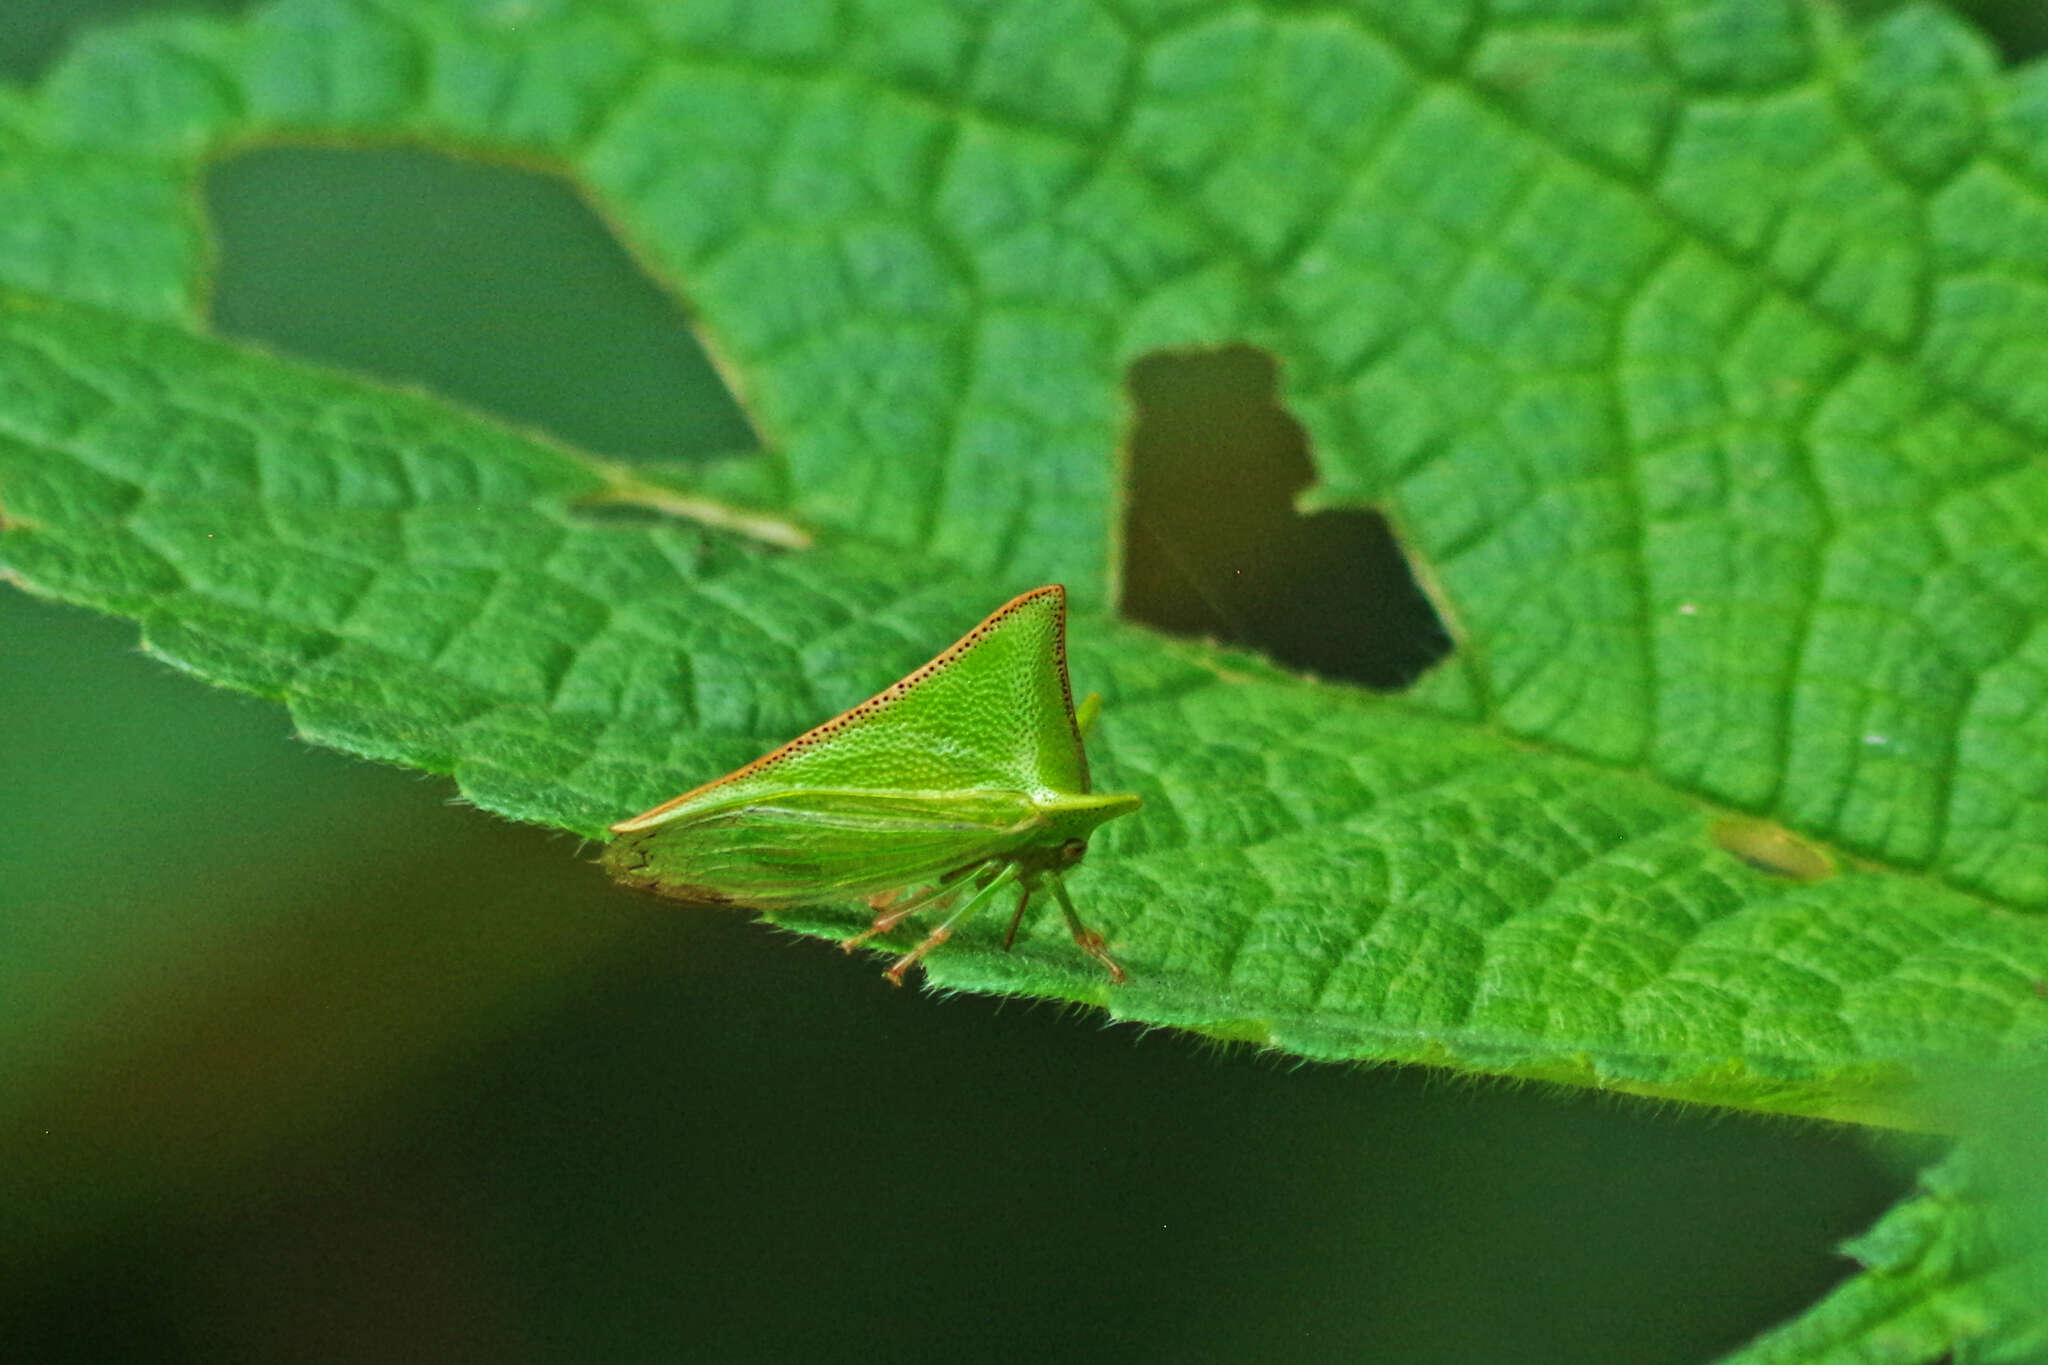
1933	1279
1694	348
1317	869
1961	1267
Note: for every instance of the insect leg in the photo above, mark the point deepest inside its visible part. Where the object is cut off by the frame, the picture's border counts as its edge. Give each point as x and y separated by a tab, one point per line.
1023	900
891	913
945	931
1090	942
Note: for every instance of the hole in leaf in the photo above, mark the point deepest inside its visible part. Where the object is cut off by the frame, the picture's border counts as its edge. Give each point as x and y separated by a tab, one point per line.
1214	547
2018	28
1769	847
492	286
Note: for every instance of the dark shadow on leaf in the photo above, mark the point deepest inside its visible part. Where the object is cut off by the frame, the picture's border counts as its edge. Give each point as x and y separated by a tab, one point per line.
1213	545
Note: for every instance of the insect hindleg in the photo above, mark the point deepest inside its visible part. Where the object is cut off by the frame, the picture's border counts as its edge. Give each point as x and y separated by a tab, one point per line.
945	931
1090	942
890	913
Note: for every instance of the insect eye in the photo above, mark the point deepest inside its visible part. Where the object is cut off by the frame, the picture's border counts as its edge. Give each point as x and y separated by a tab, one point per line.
1071	851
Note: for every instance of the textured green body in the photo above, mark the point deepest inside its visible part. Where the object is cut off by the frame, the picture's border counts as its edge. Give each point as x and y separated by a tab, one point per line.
786	847
975	759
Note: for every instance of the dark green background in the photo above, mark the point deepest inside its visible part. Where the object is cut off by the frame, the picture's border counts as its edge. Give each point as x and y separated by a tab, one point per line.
301	1062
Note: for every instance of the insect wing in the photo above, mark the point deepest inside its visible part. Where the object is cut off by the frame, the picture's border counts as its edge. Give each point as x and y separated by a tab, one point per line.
800	847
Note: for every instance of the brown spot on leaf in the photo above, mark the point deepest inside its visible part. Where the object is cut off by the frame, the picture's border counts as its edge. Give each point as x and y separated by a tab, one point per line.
1769	847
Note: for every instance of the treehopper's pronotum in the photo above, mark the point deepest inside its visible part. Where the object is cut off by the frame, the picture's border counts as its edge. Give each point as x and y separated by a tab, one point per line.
962	781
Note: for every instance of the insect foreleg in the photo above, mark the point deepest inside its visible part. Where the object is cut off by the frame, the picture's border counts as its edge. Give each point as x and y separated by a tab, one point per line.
1090	942
945	931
